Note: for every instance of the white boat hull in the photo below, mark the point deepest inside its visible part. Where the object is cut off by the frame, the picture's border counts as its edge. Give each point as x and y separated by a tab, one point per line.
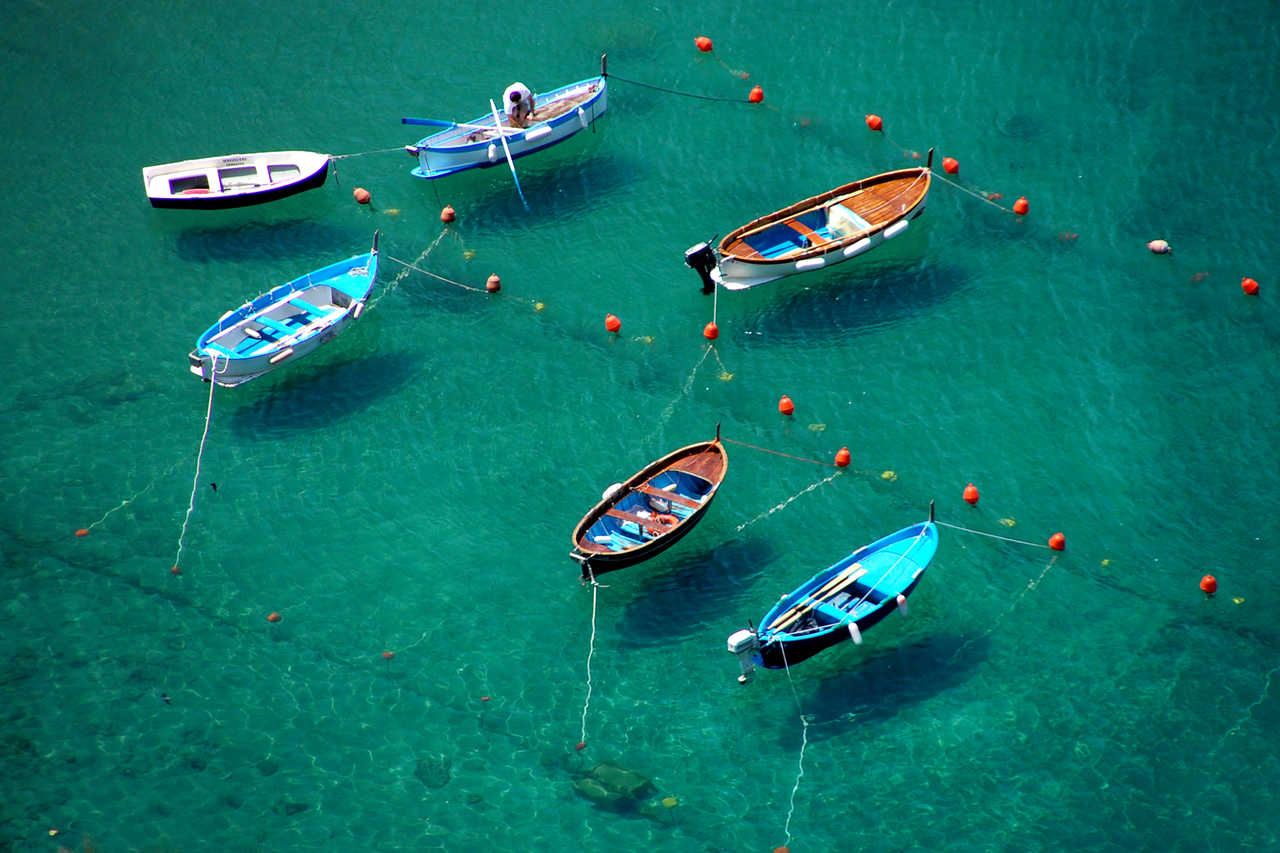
477	144
738	274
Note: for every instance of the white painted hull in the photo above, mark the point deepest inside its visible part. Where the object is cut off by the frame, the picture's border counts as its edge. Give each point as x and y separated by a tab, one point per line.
476	144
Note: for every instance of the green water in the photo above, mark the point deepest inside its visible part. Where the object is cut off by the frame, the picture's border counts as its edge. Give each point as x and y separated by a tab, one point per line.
411	487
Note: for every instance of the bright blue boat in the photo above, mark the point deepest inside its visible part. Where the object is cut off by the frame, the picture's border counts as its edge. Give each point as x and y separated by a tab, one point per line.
840	602
285	323
559	114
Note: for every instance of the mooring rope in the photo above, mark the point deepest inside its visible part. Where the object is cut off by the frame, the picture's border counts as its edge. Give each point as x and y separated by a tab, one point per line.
991	535
979	196
682	94
591	650
195	485
797	495
779	453
435	276
124	503
364	153
804	744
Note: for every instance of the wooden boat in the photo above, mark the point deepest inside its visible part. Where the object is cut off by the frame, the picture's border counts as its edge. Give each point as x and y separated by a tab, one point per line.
558	114
840	602
652	510
236	180
286	323
815	233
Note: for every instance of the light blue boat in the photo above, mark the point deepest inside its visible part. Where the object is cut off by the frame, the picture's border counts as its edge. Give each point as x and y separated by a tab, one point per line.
285	323
559	114
841	601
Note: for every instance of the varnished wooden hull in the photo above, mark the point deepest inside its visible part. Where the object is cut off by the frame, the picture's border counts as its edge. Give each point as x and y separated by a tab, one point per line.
615	533
821	231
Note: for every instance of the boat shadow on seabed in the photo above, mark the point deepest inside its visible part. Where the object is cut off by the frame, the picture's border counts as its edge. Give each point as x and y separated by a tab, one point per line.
316	393
848	303
876	689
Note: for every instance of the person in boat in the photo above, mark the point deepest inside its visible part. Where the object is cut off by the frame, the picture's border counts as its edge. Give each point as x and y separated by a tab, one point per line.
517	101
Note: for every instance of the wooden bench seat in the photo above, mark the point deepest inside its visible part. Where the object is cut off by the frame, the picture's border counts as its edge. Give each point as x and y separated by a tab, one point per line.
645	488
639	519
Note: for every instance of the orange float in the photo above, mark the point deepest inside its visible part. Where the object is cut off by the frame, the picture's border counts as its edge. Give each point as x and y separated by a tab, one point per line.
1209	584
843	458
971	494
756	95
1249	286
612	323
786	406
703	43
875	122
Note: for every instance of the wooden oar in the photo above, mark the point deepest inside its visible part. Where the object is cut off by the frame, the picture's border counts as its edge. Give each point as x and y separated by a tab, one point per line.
510	162
841	580
435	122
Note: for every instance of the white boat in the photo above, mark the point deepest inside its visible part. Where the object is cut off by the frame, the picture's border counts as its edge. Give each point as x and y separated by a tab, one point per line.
818	232
558	115
236	180
285	323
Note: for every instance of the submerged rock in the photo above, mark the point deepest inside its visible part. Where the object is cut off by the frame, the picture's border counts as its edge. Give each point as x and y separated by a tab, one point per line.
613	786
434	772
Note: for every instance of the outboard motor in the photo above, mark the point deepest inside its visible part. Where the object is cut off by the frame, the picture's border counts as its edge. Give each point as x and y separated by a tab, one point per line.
702	258
744	644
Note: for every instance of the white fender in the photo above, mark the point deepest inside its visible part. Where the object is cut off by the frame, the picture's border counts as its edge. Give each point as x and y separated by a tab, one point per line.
355	312
582	118
855	633
493	153
902	604
895	229
857	248
282	355
810	264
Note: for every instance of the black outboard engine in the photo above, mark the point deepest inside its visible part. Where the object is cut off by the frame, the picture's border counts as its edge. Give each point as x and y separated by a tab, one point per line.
702	258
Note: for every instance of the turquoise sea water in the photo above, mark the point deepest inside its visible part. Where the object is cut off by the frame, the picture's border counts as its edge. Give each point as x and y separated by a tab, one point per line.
411	487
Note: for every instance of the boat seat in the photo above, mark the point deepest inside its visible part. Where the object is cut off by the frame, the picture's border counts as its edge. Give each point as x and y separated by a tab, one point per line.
672	496
299	302
807	234
638	519
273	324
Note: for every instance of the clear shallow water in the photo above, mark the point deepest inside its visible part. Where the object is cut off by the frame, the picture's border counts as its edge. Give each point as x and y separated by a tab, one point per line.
411	487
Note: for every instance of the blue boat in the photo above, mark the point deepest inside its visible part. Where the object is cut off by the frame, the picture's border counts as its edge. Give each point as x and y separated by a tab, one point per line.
840	602
285	323
558	115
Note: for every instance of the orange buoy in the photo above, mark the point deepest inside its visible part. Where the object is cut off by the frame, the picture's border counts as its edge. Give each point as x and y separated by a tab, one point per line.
83	531
703	43
874	122
1159	247
786	406
174	570
1249	286
756	96
711	331
273	617
448	214
484	698
1209	584
388	655
1057	542
950	166
971	494
1021	206
493	284
361	195
842	458
994	196
612	323
581	745
782	849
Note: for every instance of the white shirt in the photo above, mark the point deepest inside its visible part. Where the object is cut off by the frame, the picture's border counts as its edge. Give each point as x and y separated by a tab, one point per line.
526	99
